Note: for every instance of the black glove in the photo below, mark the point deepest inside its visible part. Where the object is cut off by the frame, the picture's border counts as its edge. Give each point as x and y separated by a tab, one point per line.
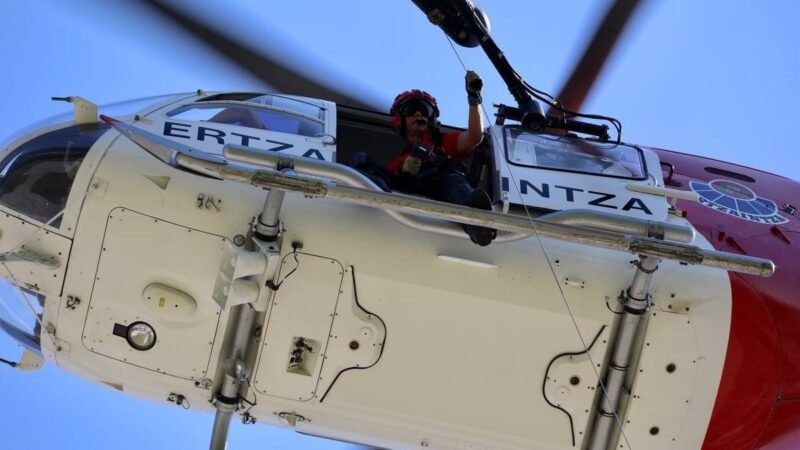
473	84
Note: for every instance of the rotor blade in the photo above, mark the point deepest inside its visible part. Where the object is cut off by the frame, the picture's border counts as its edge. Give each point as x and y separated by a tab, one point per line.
585	73
267	69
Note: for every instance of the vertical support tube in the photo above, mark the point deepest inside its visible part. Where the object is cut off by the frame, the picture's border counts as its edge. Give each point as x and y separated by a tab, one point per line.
234	372
227	400
269	224
634	308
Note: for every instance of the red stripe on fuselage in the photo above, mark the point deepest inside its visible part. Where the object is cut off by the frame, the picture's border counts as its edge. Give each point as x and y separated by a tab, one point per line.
751	374
755	405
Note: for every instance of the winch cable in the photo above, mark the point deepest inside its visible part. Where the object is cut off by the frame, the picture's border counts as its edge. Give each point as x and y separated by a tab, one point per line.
552	270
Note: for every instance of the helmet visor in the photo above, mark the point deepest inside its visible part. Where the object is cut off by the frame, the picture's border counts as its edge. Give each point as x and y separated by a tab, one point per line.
414	106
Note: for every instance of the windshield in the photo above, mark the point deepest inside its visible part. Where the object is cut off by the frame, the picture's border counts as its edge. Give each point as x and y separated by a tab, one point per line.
18	314
35	178
525	148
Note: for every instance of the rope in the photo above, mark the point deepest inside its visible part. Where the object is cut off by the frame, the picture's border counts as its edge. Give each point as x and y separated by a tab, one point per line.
552	270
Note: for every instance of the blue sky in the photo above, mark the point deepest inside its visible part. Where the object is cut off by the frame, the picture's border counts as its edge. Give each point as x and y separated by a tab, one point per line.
716	78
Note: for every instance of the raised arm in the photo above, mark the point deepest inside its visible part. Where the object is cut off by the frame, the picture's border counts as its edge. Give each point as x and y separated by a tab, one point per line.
472	137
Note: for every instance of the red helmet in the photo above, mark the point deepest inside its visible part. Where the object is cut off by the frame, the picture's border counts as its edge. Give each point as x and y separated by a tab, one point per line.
410	102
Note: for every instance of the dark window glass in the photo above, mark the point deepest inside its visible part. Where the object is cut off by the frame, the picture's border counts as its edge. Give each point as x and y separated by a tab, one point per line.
730	174
36	177
235	96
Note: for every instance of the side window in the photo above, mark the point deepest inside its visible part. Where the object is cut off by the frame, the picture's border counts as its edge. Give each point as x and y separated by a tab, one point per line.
533	150
36	177
252	117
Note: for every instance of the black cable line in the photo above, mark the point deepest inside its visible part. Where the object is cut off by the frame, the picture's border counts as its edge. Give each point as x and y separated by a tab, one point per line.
382	344
274	286
544	381
244	399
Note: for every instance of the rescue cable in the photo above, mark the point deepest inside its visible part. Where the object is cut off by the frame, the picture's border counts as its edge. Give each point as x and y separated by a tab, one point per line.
547	257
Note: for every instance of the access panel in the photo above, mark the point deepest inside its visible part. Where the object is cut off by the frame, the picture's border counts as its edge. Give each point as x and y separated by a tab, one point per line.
299	326
152	295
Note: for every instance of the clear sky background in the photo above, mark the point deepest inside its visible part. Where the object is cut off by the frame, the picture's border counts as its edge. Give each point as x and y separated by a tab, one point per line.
716	78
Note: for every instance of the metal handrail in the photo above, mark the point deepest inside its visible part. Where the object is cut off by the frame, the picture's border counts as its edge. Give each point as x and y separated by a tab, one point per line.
680	252
181	156
351	177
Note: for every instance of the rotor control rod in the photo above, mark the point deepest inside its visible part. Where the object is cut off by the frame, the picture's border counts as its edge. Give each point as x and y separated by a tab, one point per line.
631	308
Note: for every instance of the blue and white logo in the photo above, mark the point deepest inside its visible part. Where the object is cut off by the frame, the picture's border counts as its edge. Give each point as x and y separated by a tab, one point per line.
737	200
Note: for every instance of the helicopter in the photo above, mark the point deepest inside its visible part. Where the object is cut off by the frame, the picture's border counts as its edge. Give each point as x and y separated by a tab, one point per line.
541	188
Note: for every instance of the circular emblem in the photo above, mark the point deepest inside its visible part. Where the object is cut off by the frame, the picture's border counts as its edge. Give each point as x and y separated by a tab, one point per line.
736	200
732	189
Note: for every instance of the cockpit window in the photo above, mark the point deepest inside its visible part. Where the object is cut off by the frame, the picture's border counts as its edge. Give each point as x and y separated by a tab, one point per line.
36	177
529	149
263	112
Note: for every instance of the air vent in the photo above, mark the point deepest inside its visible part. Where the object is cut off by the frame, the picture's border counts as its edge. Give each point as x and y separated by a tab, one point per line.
729	174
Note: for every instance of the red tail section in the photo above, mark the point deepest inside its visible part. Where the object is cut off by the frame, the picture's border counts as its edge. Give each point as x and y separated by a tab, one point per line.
751	212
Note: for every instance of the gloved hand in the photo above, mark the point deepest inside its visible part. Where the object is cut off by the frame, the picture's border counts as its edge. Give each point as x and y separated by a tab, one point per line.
411	165
473	84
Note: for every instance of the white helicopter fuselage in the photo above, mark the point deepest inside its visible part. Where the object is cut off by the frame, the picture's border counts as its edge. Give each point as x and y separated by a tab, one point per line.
373	331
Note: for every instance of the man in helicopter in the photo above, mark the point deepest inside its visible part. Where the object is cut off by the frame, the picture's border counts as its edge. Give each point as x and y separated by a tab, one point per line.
429	165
